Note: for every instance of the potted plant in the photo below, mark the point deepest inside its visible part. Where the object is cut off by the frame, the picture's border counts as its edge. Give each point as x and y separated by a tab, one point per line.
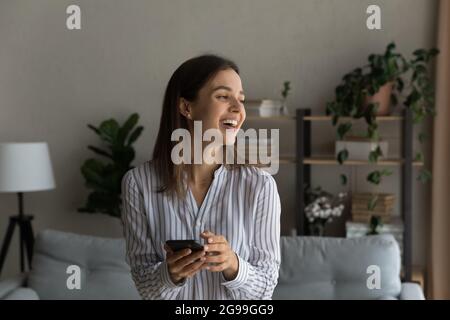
104	178
284	95
369	91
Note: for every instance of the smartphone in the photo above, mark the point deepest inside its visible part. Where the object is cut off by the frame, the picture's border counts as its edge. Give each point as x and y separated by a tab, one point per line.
177	245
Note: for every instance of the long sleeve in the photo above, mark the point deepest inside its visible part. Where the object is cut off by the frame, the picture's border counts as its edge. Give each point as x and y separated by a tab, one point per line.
148	270
258	275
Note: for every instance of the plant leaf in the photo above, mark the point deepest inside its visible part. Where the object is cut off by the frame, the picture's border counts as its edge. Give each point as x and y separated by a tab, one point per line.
386	172
375	154
134	135
100	151
424	176
391	46
342	156
109	130
372	202
422	137
127	127
400	84
90	126
374	177
419	156
343	129
344	179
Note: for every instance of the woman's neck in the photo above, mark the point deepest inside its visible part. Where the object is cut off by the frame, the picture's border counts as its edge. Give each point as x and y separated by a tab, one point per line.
202	174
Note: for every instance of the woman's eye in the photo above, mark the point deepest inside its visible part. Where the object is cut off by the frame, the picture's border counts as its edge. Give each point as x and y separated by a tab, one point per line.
226	98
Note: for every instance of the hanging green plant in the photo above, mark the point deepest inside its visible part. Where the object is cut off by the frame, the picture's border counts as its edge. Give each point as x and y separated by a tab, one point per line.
389	79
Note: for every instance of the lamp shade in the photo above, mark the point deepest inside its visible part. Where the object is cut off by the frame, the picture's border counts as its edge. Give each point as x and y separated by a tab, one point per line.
25	167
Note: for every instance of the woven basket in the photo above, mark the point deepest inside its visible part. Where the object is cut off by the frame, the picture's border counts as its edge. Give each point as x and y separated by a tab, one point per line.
383	208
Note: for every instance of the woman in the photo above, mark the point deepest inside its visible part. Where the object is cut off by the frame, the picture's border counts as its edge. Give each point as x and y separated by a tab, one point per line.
234	209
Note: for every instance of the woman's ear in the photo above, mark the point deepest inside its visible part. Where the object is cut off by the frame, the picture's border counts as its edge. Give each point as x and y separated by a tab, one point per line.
185	108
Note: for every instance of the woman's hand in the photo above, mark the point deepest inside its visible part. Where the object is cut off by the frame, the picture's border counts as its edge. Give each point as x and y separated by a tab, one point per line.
182	264
219	255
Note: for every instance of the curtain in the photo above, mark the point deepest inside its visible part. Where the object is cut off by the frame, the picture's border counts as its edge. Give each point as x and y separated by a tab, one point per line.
439	264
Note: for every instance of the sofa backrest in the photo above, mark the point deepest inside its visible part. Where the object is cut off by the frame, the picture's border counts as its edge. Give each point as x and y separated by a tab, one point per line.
338	268
104	271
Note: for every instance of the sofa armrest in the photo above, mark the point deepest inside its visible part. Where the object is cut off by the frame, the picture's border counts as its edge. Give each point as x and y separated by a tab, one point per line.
8	285
411	291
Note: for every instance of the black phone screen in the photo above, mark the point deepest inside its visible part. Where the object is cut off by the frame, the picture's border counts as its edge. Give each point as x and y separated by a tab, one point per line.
177	245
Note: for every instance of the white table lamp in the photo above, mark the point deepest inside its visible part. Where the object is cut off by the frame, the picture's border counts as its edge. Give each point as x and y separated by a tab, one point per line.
24	167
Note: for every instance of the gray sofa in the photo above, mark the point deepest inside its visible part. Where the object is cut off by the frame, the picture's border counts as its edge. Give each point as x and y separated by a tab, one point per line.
104	272
337	268
311	268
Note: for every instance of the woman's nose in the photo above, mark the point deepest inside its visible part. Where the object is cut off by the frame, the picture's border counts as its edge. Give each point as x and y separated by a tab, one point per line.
236	105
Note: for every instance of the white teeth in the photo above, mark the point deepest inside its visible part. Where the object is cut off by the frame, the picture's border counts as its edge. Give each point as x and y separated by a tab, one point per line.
230	122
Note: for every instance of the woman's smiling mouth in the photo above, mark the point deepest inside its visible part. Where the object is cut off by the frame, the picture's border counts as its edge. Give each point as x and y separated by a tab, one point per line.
229	124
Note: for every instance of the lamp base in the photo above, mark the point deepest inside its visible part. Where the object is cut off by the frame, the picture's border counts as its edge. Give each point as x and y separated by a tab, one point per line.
26	239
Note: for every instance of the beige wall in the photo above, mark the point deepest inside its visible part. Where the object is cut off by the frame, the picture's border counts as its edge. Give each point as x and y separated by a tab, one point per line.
54	81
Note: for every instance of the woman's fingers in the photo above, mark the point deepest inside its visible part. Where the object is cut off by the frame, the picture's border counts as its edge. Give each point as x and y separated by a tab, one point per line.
213	238
206	233
172	257
186	260
193	268
216	247
217	268
216	259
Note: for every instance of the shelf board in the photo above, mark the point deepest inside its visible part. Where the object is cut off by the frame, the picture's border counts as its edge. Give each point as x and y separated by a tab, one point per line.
327	161
333	161
323	118
286	160
328	118
270	118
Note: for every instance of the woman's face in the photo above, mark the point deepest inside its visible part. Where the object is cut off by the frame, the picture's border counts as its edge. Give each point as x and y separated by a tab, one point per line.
219	105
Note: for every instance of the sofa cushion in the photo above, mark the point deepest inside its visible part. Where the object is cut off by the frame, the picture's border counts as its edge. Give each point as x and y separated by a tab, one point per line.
22	294
104	271
336	268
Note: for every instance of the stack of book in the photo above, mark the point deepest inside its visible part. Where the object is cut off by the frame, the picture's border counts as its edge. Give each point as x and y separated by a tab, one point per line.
383	208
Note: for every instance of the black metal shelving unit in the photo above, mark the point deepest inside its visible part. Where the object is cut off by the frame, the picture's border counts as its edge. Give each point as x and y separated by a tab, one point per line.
303	176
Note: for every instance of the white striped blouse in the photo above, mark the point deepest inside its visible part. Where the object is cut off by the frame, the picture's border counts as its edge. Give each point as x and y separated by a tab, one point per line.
241	204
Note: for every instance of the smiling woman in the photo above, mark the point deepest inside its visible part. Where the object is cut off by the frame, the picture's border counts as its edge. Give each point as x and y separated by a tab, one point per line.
234	210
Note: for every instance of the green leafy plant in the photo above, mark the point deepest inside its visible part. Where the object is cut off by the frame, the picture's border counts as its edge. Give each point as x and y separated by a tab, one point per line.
284	94
411	88
104	178
375	176
286	89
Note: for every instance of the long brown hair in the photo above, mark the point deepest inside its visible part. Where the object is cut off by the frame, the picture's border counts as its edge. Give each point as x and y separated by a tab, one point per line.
185	83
